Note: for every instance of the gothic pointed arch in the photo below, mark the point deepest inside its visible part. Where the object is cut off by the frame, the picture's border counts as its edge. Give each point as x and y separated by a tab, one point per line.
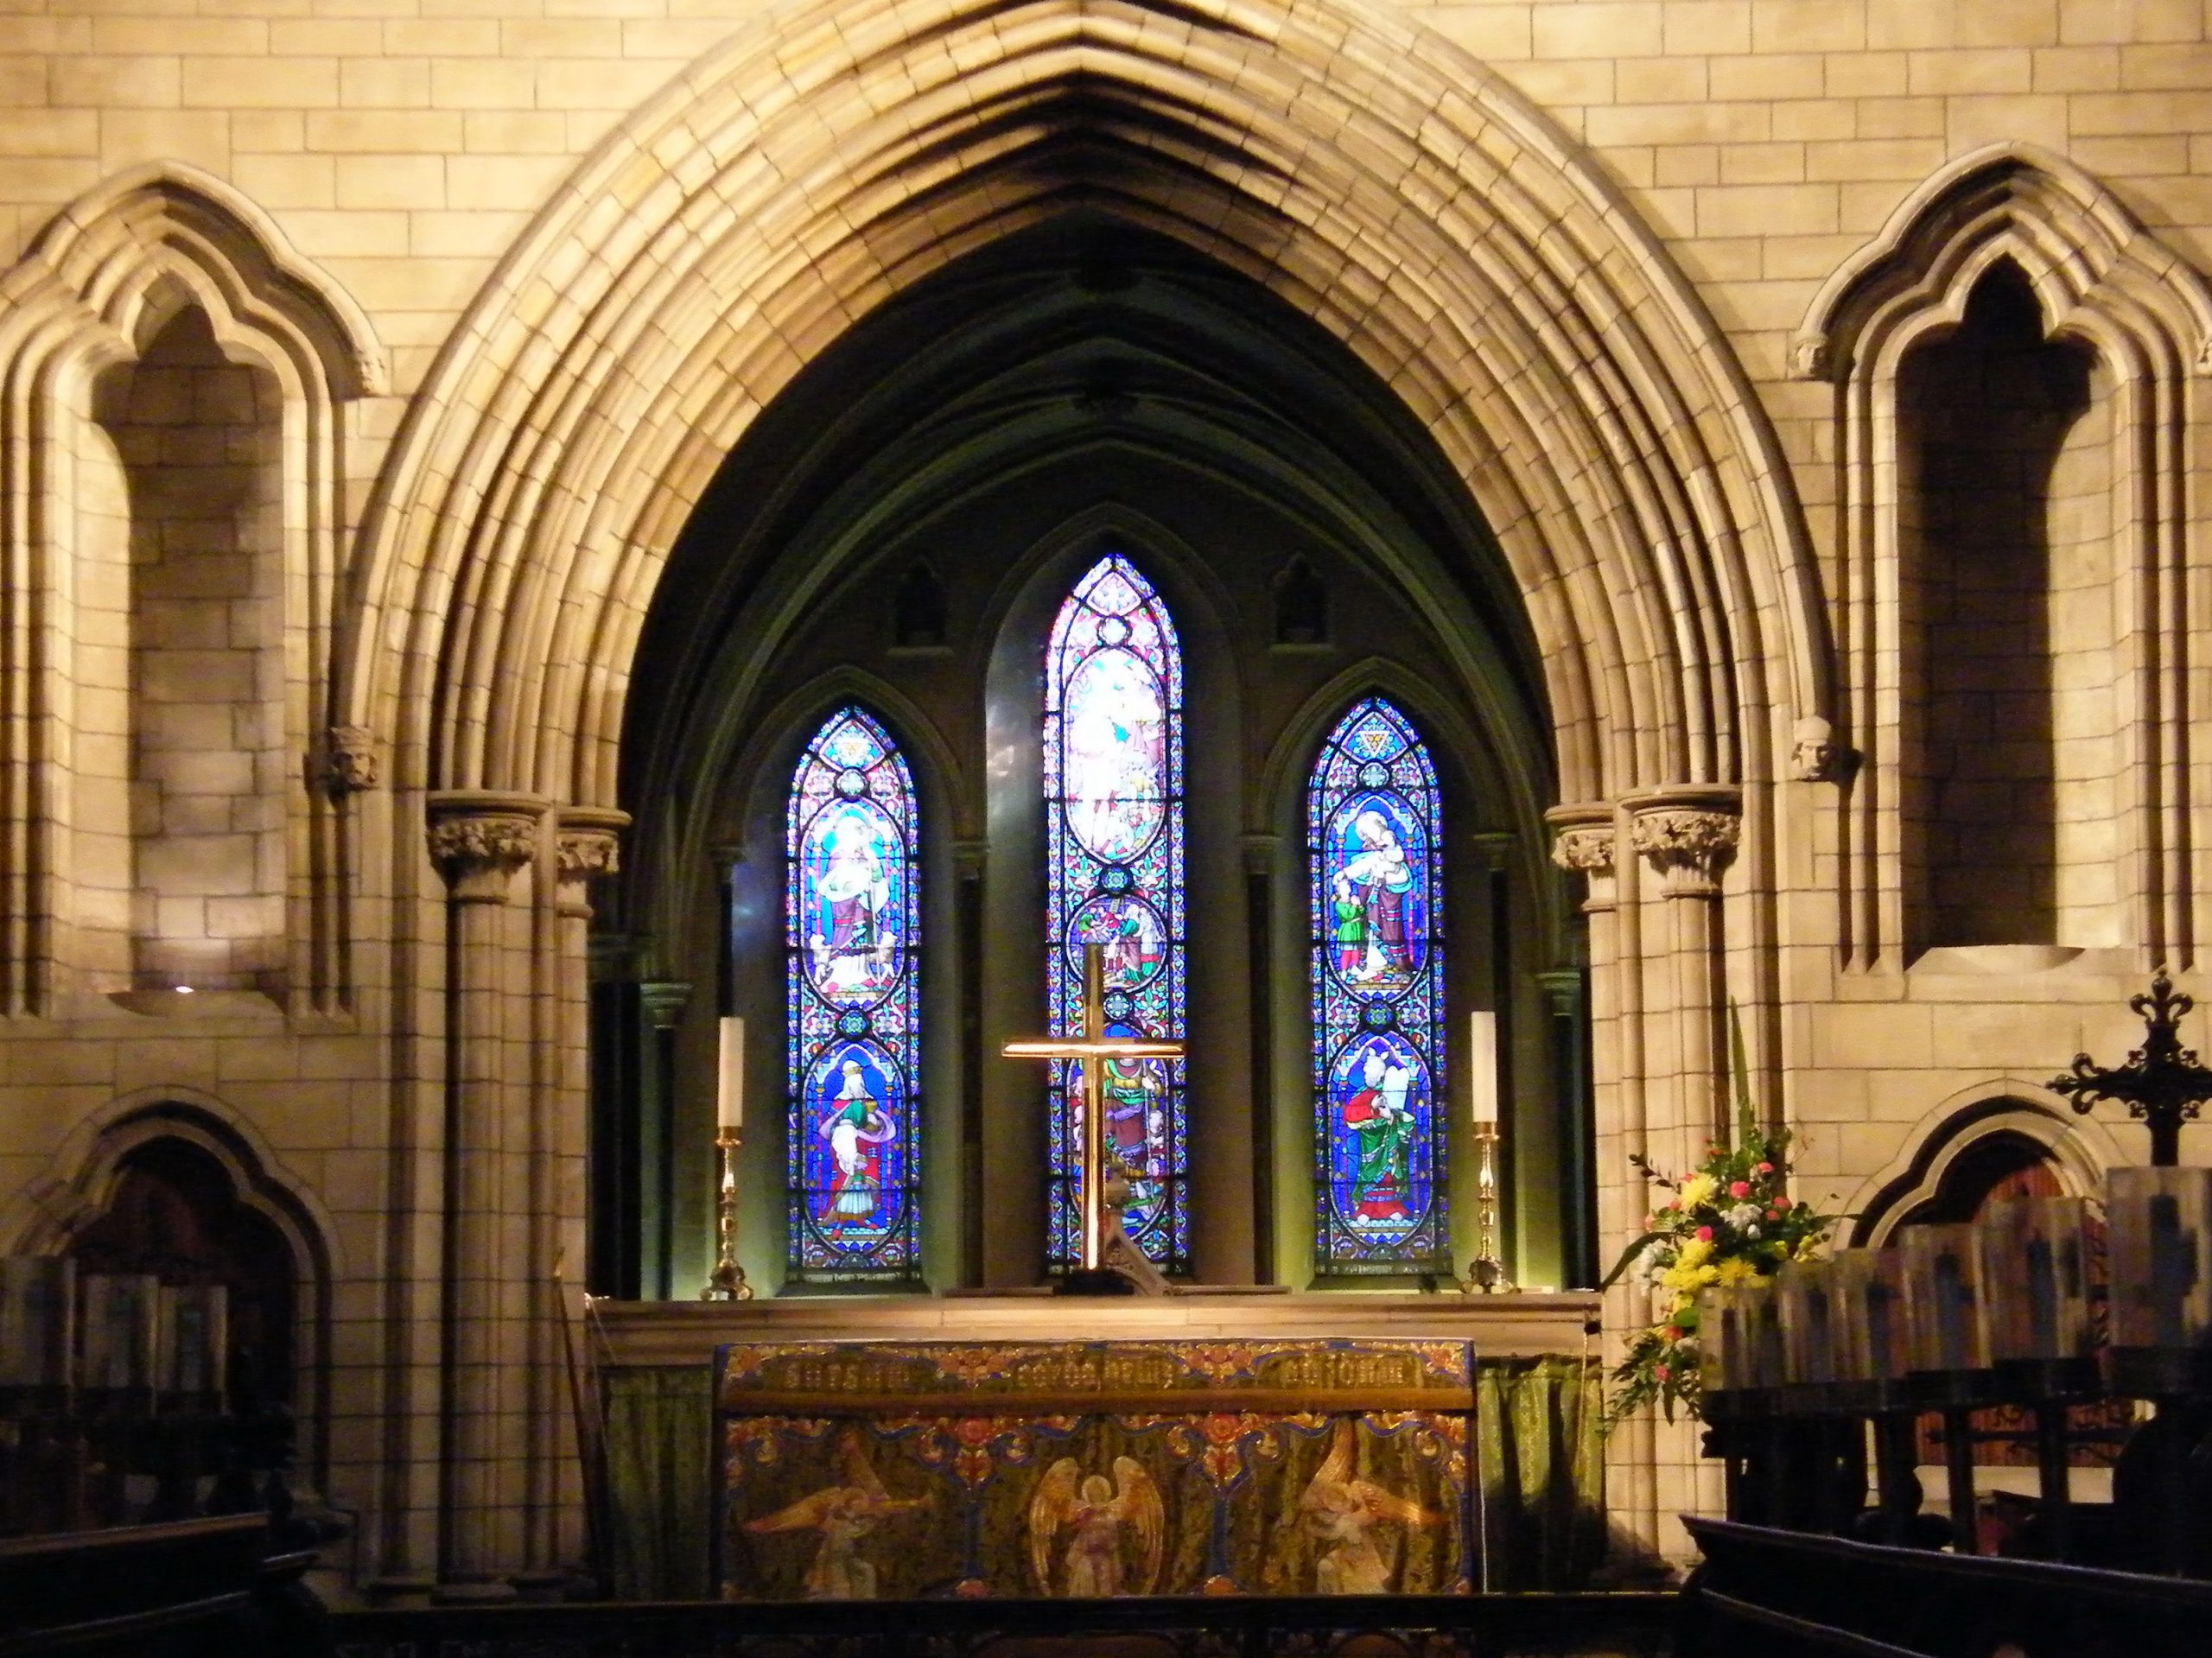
168	265
202	1153
1529	322
2086	278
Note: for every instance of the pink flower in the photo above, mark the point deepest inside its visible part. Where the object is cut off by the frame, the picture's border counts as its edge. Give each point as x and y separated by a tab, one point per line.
1766	1168
1741	1189
1774	1214
1704	1235
1659	1370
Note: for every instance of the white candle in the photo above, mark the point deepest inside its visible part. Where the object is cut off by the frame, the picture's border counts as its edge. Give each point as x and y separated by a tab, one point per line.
730	1110
1481	1069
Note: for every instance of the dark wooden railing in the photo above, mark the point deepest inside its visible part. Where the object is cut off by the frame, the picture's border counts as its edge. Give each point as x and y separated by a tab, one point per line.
1406	1626
209	1588
1769	1593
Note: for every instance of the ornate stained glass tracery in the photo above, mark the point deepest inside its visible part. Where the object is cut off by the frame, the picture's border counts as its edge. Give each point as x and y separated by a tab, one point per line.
1373	828
853	1007
1113	847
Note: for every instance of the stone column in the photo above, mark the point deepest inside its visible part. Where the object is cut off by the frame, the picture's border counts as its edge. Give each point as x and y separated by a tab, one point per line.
478	842
1688	836
663	1002
1586	838
585	849
1685	838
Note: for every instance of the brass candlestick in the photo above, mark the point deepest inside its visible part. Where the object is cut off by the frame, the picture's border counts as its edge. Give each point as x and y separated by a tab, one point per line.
726	1282
1486	1273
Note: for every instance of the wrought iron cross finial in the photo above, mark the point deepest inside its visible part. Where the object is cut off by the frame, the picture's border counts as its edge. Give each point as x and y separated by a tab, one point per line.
2162	1083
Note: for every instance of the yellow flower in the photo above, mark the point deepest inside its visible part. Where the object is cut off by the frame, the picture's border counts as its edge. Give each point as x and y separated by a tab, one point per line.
1736	1270
1695	1190
1708	1275
1695	1251
1806	1248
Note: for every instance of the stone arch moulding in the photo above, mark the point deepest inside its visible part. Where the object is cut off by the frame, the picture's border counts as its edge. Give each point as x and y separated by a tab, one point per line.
823	159
81	1178
2098	276
2083	1147
94	286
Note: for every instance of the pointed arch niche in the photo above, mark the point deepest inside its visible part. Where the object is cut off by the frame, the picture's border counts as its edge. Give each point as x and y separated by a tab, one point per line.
176	435
2018	368
1024	419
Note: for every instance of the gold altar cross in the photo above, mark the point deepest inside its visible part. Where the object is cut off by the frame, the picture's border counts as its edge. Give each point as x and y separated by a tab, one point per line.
1091	1047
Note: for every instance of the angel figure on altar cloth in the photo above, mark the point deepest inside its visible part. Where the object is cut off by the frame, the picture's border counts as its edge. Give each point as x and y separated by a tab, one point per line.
1342	1512
846	1516
1094	1514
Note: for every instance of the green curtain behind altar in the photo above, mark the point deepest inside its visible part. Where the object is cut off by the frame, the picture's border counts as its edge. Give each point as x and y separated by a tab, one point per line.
1542	1463
660	1482
1538	1449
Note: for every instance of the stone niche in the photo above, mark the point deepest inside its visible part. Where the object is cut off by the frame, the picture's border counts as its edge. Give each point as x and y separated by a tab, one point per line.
181	864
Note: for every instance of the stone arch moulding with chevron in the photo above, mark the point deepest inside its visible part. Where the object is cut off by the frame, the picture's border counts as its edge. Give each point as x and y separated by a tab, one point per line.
1534	327
96	285
2098	277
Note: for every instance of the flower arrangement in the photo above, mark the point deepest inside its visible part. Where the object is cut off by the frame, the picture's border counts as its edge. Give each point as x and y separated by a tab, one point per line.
1728	1221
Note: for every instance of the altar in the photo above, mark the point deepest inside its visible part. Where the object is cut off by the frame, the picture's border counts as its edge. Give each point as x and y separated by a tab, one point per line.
1026	1445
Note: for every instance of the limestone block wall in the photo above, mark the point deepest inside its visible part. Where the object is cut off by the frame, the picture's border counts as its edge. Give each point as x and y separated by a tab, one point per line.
398	148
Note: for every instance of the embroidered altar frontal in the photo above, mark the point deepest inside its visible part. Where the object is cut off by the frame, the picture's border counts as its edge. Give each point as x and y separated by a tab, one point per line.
854	1472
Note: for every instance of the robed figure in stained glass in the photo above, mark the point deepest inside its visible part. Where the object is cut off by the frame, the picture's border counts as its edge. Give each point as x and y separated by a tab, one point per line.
853	1005
1113	752
1373	831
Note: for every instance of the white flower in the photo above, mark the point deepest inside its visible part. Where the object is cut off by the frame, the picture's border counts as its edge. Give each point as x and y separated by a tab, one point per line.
1742	1215
1752	1233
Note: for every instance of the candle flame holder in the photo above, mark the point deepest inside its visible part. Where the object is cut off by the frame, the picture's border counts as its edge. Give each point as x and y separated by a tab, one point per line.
1486	1273
726	1281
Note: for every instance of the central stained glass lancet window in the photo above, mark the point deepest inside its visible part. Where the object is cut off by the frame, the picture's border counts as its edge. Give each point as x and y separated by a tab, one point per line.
853	1005
1373	831
1114	848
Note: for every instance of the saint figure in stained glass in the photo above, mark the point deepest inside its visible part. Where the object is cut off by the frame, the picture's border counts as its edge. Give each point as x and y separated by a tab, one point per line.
1377	977
852	1007
1114	833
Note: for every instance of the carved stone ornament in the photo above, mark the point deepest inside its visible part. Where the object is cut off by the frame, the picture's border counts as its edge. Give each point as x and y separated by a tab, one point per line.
1688	846
588	854
478	852
1586	851
349	762
1813	756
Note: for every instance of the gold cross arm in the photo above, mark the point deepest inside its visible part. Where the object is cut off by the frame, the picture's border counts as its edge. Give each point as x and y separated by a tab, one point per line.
1112	1047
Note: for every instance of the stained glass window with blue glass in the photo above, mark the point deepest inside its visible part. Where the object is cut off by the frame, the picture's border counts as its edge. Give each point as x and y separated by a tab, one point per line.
1114	848
1373	830
853	1005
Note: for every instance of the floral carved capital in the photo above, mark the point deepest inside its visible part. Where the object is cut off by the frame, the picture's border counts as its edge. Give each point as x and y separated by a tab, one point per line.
1587	851
586	854
478	852
1689	846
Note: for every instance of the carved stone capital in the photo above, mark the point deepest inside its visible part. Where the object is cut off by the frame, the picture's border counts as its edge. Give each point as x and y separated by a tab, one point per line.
586	845
1688	836
1586	850
477	842
349	764
664	1001
1582	844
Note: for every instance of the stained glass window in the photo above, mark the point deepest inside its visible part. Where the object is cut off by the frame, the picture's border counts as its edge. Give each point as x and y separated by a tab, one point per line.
1114	848
1372	830
853	1008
